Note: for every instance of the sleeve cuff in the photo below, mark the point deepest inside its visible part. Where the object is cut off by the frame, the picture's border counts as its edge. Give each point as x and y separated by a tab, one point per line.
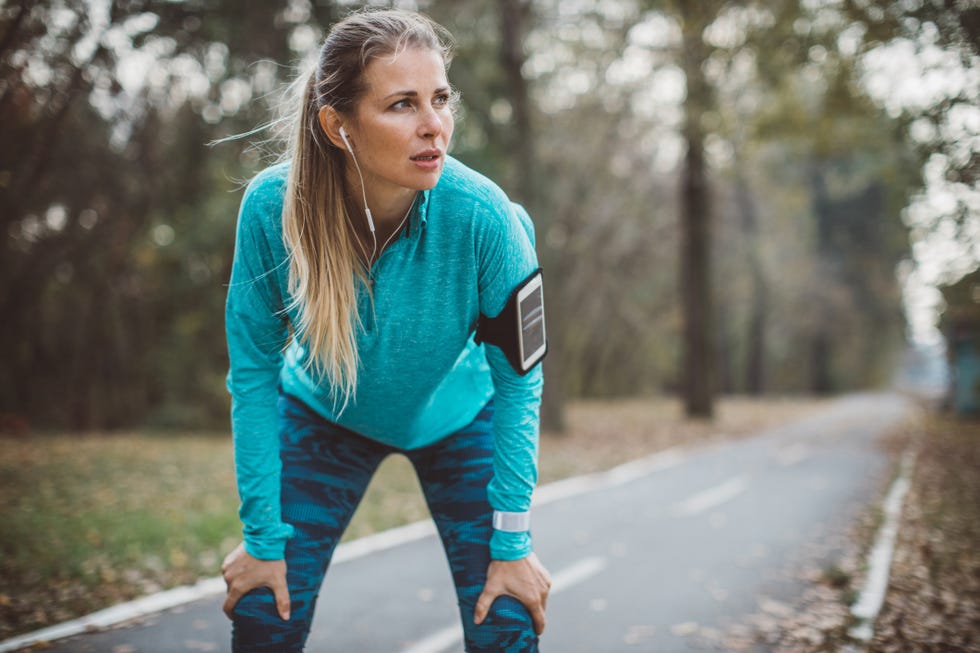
269	547
510	546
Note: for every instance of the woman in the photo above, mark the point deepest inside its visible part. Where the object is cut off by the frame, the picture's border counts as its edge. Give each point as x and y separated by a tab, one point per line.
362	264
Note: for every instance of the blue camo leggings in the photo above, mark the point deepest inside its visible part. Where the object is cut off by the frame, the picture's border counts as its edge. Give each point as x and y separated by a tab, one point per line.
325	472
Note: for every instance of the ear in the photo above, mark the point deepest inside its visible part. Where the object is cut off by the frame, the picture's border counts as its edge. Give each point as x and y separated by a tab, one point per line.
330	122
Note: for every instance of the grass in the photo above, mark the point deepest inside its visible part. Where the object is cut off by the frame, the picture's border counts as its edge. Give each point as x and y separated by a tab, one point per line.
89	521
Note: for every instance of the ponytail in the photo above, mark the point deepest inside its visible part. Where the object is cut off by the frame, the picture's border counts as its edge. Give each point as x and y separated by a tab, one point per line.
323	268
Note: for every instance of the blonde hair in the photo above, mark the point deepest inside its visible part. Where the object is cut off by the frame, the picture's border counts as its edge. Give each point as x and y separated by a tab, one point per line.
318	230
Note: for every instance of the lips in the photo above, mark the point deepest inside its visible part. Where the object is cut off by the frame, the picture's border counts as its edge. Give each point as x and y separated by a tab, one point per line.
427	156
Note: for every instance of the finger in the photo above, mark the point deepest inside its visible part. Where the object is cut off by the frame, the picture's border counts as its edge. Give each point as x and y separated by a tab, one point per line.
537	617
230	602
547	590
483	606
281	592
230	558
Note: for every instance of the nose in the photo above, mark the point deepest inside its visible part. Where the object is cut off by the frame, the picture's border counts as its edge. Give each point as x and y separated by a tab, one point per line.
430	124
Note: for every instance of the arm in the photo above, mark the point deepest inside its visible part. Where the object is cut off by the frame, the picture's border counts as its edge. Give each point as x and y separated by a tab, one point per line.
505	252
507	258
257	330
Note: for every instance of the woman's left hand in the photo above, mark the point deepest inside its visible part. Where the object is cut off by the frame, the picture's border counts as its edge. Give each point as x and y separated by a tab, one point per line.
526	580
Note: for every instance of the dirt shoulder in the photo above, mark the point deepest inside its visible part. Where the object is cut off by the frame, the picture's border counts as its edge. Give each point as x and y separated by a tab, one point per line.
933	601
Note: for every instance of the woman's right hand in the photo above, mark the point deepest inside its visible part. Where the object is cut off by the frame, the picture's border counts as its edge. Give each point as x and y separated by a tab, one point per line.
243	573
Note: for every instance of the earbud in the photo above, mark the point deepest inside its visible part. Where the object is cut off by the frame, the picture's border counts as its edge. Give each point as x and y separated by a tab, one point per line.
343	136
367	211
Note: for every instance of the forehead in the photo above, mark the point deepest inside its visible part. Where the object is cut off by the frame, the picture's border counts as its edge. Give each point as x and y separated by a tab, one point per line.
413	69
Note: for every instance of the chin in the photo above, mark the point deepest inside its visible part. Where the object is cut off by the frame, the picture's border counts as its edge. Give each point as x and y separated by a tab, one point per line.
428	181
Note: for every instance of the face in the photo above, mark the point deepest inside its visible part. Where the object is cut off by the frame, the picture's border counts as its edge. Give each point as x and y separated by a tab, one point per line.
403	123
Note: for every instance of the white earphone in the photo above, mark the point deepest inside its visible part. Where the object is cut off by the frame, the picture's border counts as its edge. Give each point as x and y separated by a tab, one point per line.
367	211
343	136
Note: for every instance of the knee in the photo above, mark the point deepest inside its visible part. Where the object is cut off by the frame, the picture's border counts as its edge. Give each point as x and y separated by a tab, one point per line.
257	626
507	629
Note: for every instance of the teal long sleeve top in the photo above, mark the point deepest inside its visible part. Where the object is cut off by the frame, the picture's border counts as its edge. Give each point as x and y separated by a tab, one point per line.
420	377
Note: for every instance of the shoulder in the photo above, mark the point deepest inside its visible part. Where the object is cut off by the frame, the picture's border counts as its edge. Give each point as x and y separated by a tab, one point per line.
469	192
268	186
261	208
463	187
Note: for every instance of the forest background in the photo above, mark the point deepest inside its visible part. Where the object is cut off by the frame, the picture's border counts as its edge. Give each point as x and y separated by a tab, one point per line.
729	196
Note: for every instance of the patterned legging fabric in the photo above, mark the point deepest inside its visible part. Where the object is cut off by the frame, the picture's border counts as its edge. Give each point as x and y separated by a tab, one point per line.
325	472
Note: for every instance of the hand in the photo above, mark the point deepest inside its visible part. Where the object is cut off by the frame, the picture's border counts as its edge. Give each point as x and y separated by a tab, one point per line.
526	580
243	573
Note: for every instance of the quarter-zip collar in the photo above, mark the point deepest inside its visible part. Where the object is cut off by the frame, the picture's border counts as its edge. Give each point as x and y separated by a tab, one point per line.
419	214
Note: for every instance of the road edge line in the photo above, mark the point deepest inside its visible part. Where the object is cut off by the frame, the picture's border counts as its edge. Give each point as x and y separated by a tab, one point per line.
872	596
389	539
117	614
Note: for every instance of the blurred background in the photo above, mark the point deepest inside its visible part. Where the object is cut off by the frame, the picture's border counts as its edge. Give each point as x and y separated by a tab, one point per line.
730	197
736	202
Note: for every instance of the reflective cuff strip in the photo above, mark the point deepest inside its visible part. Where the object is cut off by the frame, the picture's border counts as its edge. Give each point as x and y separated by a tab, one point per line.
512	522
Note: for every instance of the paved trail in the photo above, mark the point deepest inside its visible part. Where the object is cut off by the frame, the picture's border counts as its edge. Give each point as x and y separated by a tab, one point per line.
641	559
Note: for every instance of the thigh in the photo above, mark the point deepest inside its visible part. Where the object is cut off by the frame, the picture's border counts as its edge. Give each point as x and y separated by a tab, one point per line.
325	471
454	474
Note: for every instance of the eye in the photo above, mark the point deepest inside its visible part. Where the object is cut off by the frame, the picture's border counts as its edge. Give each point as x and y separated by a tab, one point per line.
402	104
442	100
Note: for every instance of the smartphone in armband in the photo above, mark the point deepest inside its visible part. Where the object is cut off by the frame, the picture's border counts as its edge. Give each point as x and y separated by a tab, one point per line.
519	330
532	343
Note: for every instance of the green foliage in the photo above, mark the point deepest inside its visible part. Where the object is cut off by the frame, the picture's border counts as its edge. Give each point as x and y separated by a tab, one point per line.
119	218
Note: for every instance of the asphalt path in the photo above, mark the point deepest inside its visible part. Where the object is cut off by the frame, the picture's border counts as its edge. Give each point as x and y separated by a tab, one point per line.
649	557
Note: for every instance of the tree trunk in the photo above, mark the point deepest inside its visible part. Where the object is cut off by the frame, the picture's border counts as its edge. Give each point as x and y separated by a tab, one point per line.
513	24
514	16
756	336
724	347
820	343
698	373
755	365
819	369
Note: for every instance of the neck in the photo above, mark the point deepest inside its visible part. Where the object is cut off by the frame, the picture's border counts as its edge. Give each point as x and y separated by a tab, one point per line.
392	211
386	227
388	207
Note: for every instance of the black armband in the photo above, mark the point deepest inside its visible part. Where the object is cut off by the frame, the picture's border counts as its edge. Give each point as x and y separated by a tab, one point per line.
519	329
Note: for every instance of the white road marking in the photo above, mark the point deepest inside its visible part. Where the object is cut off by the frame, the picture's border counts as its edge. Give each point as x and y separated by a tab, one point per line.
711	497
792	454
449	637
345	552
177	596
388	539
119	613
439	641
879	561
580	572
616	476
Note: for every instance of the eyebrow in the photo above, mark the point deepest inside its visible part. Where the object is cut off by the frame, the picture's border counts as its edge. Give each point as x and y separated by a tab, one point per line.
441	89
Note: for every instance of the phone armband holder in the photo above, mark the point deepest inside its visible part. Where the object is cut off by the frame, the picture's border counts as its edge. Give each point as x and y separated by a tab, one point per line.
519	330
